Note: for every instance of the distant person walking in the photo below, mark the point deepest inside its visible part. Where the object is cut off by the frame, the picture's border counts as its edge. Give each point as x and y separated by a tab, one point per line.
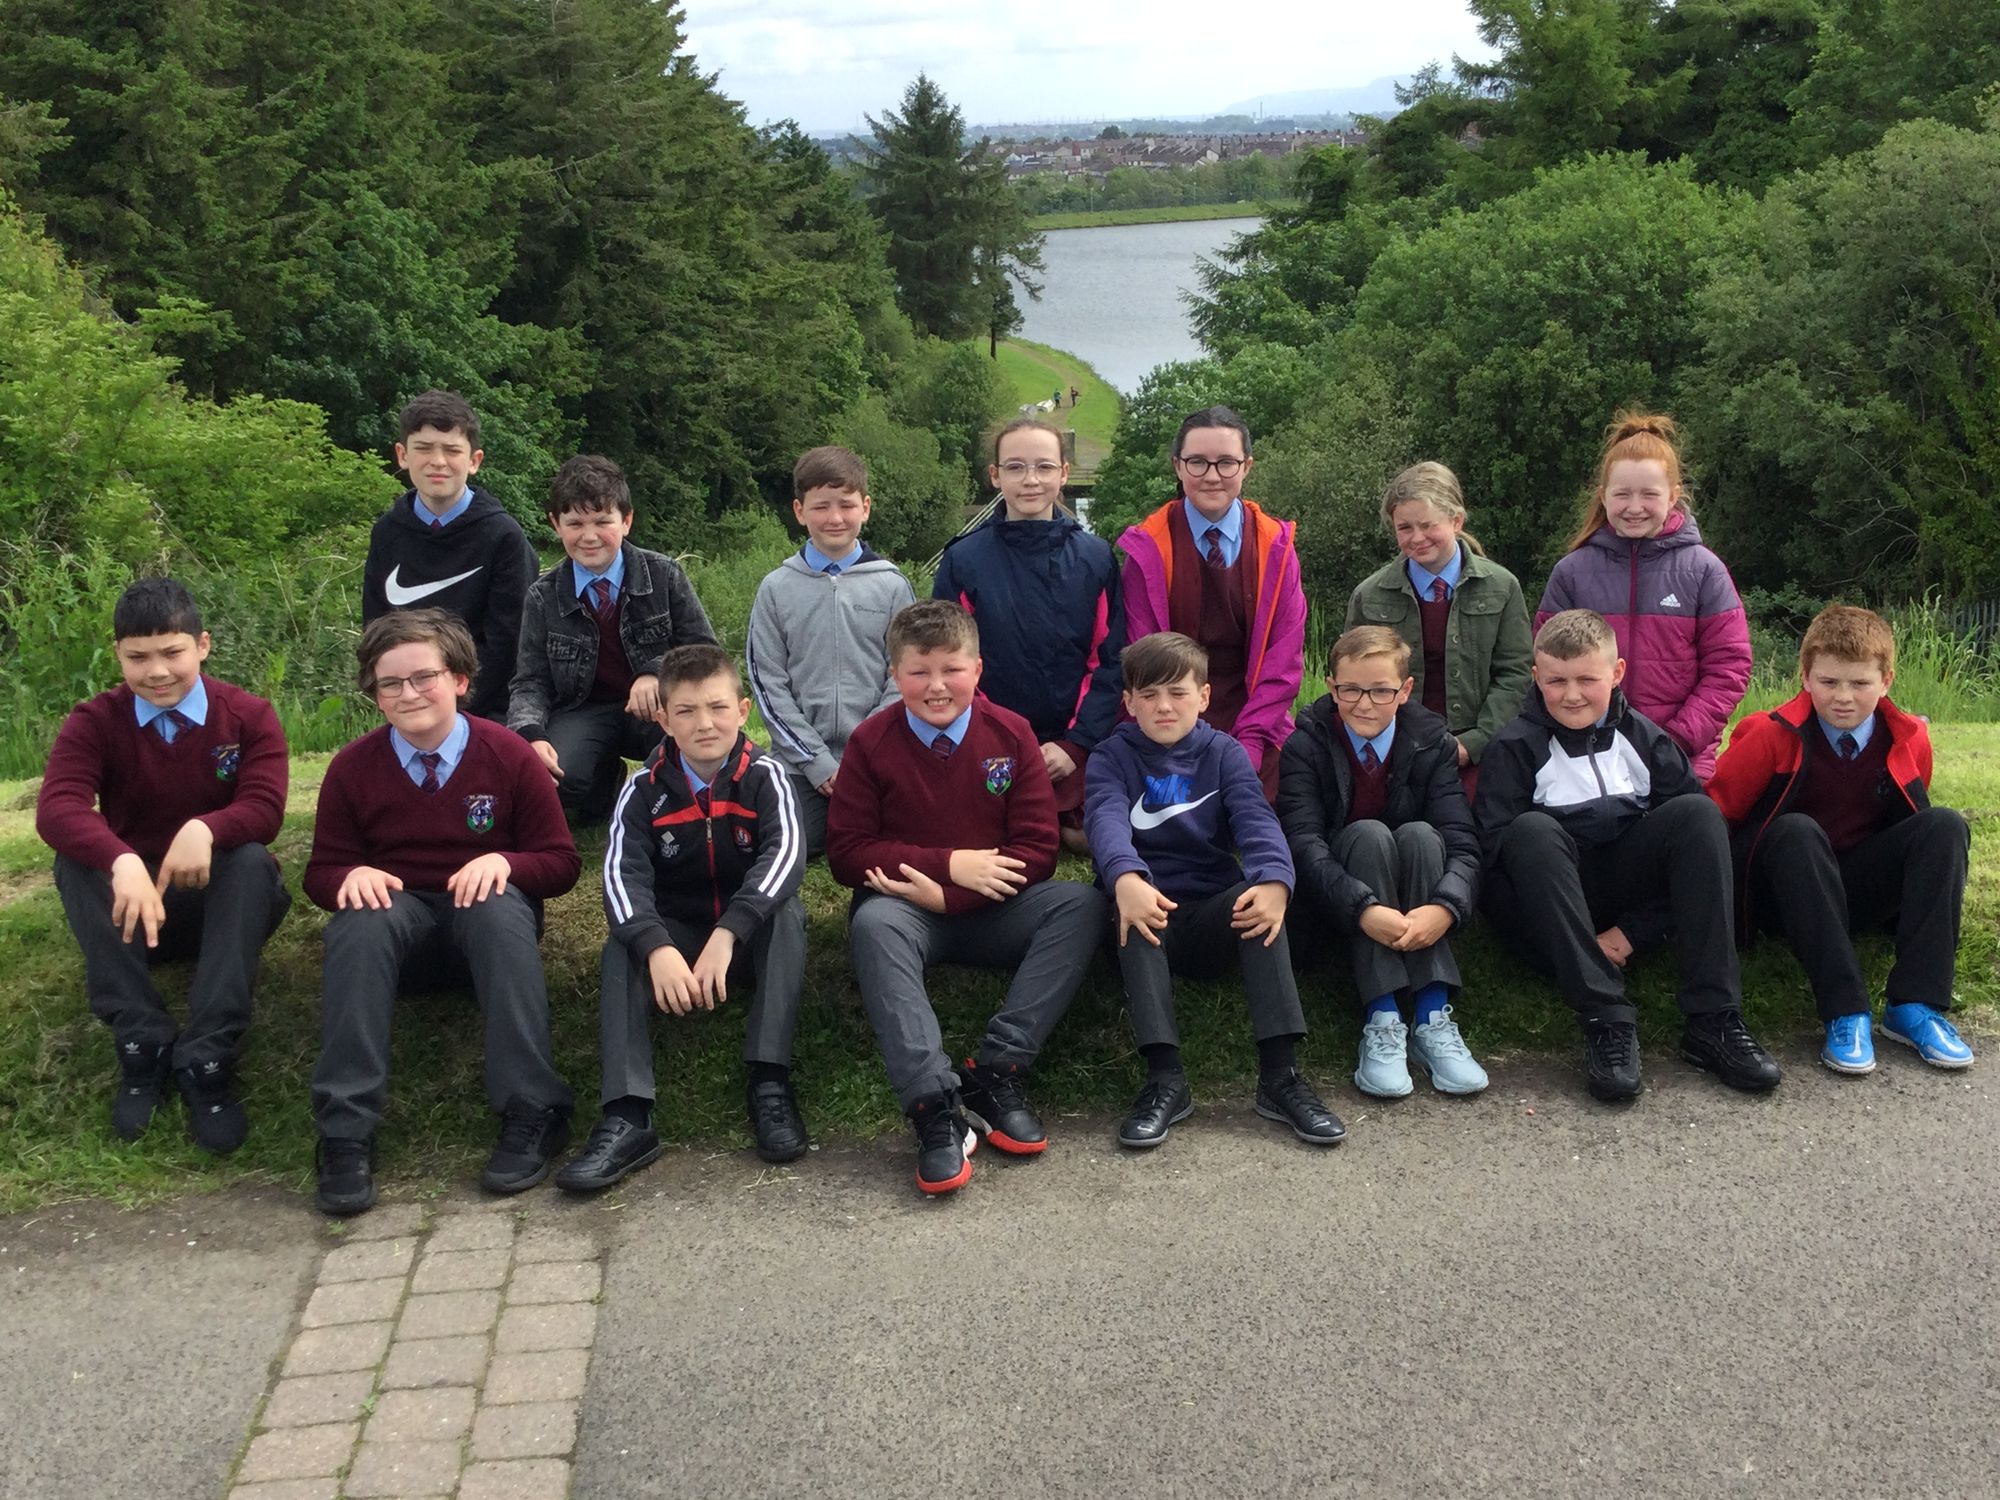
1055	401
1073	394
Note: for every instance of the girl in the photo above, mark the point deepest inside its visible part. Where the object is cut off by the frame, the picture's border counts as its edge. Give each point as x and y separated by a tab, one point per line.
1051	620
1638	561
1464	618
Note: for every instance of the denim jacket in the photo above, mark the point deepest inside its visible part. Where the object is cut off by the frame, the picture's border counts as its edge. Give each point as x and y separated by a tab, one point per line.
557	658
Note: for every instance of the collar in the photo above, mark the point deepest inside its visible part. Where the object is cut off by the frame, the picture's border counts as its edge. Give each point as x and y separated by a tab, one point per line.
955	730
1381	742
1422	577
614	575
1231	523
449	753
819	562
695	783
423	514
194	704
1862	732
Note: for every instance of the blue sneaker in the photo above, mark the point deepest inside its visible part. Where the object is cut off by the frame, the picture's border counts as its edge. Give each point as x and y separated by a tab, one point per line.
1919	1026
1850	1044
1385	1067
1441	1052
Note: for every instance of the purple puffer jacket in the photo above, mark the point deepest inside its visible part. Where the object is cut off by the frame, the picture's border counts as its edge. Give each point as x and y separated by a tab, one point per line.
1680	625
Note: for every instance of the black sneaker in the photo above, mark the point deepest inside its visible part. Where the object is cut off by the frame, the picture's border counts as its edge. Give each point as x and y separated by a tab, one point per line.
944	1142
616	1148
1290	1100
1611	1060
775	1121
215	1117
1721	1044
1162	1104
994	1093
346	1171
143	1071
530	1139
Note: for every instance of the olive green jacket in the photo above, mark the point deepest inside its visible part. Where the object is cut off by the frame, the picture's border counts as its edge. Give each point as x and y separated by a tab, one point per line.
1489	650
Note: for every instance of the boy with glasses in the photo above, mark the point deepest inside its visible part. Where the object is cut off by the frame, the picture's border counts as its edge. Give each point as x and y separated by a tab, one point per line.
1372	806
438	837
1214	567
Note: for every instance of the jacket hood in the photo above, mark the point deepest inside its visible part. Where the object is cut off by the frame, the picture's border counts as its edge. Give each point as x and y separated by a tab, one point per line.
1536	711
1197	742
870	561
1051	535
1681	530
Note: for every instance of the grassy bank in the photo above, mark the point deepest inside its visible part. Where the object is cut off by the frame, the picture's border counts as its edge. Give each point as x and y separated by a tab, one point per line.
56	1067
1031	372
1104	218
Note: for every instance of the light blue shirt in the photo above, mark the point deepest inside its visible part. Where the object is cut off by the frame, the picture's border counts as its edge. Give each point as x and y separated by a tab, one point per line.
194	705
1862	732
695	783
819	562
1381	742
613	575
1231	525
955	730
1421	577
451	751
425	514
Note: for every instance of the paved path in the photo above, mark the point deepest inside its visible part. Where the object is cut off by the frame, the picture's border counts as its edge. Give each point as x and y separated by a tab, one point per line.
1526	1294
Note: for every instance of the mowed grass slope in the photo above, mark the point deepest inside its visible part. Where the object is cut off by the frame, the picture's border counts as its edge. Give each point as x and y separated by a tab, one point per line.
1033	372
56	1067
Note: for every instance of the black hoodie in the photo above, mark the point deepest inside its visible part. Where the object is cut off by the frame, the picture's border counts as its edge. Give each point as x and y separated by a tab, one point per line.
479	567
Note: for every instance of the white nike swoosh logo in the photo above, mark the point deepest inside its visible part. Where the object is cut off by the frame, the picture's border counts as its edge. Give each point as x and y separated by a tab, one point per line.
399	596
1142	818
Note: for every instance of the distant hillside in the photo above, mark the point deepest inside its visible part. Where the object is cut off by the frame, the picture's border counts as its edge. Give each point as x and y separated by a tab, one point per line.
1376	98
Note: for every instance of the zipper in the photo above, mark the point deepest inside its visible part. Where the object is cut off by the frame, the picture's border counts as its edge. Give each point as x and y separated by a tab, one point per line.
714	892
1632	612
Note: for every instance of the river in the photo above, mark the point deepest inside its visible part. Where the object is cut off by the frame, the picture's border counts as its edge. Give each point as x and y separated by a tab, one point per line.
1112	296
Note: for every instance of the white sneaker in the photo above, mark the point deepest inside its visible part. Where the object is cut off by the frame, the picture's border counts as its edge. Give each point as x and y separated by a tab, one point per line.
1441	1052
1385	1069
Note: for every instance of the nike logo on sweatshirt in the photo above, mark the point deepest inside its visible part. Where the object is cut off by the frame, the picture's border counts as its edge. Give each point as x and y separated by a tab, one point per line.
401	595
1145	817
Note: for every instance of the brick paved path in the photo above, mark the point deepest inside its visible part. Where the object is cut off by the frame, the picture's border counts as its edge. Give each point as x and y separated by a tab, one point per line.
438	1355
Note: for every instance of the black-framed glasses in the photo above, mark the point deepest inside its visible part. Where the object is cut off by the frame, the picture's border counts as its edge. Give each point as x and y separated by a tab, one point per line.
392	687
1016	468
1226	467
1353	692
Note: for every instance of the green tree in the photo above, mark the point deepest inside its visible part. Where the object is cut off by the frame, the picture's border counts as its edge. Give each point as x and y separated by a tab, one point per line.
1882	61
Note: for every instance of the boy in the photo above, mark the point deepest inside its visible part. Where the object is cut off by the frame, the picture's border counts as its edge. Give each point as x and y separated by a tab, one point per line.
1587	813
447	545
704	861
159	799
1213	566
817	651
1371	802
1191	853
944	823
1833	829
586	690
437	839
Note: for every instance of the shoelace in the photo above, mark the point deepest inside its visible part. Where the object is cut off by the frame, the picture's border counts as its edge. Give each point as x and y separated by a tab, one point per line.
1003	1090
770	1106
1614	1045
1383	1043
1295	1093
1442	1037
342	1155
940	1128
521	1129
1157	1094
1847	1032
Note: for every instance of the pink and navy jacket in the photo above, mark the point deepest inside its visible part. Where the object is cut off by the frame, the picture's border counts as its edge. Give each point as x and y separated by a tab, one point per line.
1680	627
1277	641
1051	622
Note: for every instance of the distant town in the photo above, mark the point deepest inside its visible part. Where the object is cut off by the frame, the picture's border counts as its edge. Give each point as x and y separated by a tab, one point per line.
1101	154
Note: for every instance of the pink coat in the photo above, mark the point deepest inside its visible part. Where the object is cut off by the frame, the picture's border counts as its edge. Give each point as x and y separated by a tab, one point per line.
1680	627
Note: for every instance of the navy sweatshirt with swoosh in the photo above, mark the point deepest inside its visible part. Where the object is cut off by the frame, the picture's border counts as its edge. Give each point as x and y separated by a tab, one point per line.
1190	816
479	567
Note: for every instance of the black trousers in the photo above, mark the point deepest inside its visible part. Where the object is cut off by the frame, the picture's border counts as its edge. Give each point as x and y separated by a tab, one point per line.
223	928
1200	943
1549	897
1910	877
592	743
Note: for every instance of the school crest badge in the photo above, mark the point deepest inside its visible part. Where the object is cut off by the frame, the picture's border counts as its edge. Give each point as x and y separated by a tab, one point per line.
228	760
999	774
479	812
743	839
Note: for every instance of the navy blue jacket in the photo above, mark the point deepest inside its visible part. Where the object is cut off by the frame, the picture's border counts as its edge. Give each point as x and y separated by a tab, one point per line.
1181	815
1051	621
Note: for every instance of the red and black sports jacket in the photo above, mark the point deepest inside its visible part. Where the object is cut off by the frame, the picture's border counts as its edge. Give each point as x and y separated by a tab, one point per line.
1759	776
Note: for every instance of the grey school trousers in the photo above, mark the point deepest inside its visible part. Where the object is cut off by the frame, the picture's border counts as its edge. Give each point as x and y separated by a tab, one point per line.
812	814
222	927
1402	866
775	960
1199	942
421	940
592	743
1046	935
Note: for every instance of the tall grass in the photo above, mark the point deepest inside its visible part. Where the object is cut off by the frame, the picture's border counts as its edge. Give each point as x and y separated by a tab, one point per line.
1941	673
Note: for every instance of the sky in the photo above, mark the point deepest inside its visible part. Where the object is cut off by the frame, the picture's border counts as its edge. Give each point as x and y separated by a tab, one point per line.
826	63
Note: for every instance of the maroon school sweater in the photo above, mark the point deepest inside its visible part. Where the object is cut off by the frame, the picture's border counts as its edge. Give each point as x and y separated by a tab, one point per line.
112	788
896	802
1850	799
501	799
1370	798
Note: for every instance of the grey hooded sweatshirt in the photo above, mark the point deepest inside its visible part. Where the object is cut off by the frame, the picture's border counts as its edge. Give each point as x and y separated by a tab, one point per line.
818	656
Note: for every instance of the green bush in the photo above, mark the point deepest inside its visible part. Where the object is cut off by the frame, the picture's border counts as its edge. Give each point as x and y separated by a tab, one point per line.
919	495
